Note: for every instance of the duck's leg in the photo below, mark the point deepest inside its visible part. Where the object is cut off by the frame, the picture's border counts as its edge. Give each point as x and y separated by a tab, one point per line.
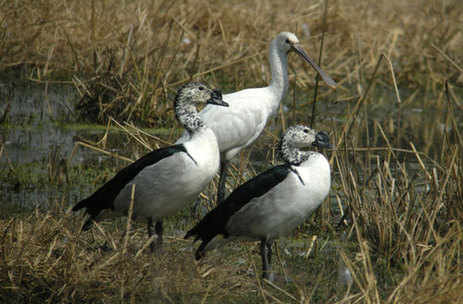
150	232
269	252
222	178
266	254
158	229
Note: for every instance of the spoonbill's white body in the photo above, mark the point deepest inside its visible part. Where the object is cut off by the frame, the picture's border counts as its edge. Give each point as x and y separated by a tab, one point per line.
238	125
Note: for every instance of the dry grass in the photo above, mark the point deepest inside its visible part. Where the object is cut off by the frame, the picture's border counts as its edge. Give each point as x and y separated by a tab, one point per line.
395	117
403	245
125	57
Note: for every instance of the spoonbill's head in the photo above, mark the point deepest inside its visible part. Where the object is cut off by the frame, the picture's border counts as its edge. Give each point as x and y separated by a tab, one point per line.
300	136
198	93
288	42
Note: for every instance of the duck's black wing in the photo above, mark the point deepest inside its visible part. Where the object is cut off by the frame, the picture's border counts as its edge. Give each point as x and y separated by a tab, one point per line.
104	197
215	221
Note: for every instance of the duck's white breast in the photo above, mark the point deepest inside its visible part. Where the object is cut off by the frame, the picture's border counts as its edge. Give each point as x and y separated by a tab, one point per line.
165	187
285	206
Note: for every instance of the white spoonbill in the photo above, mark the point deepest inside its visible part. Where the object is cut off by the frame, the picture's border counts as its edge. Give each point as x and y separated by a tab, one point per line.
244	120
274	202
168	178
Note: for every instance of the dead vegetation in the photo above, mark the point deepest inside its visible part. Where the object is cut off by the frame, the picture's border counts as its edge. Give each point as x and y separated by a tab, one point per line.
395	118
125	57
402	244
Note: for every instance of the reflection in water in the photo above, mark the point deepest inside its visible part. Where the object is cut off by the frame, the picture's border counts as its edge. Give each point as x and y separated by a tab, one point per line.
36	139
36	121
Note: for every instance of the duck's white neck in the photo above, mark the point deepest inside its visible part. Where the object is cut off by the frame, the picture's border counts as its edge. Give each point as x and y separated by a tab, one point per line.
291	154
187	115
279	68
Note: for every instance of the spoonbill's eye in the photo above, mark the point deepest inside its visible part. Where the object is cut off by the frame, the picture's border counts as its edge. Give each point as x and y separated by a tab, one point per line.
306	131
201	88
287	41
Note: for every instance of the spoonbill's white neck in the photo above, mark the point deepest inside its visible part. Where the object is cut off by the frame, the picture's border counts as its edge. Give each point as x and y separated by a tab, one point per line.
279	67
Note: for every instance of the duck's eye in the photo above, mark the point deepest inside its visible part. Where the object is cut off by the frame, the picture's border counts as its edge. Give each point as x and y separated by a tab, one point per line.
201	88
306	130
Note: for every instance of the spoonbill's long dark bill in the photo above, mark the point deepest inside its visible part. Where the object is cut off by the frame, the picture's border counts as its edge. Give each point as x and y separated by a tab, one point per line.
168	178
244	120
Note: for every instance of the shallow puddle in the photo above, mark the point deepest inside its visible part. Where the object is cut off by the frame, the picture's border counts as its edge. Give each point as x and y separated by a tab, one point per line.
37	139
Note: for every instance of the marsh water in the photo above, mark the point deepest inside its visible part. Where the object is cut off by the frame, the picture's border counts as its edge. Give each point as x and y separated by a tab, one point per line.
39	130
38	134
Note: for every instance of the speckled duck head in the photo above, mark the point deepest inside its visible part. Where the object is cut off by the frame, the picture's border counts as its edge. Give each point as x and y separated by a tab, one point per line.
297	137
189	97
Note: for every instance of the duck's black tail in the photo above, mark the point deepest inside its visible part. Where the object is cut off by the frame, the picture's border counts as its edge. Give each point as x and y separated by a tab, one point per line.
85	203
205	230
93	207
196	232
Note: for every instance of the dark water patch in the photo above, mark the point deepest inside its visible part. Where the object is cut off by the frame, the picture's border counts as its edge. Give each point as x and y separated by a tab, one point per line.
37	138
35	121
40	159
38	104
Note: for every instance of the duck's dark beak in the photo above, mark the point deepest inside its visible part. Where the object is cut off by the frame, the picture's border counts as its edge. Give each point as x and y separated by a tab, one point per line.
216	99
300	51
322	140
